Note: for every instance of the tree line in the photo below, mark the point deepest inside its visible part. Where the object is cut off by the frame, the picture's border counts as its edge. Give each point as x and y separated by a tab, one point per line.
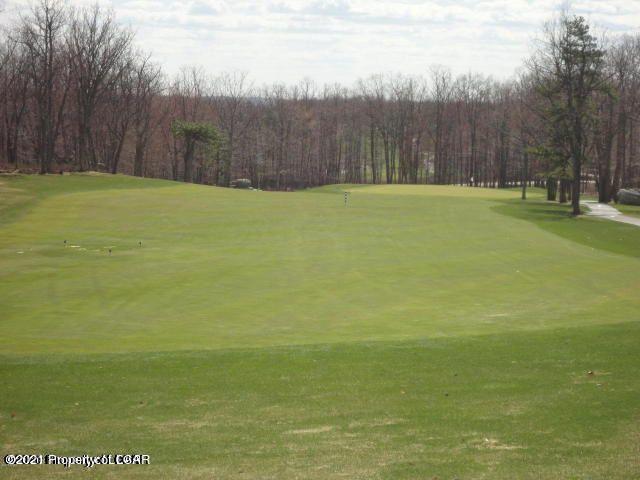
78	94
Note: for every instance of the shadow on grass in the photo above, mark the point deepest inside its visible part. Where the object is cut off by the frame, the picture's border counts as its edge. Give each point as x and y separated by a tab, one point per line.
597	233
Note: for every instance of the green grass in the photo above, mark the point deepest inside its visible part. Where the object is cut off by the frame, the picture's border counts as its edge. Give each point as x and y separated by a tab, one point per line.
632	210
418	332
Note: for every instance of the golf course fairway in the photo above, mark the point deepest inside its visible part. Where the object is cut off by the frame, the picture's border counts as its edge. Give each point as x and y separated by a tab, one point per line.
413	332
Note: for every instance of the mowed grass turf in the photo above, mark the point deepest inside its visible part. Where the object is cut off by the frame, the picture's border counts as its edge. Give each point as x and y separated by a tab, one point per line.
418	332
633	210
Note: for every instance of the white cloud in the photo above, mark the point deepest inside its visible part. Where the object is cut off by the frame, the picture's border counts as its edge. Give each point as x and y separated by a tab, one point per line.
342	40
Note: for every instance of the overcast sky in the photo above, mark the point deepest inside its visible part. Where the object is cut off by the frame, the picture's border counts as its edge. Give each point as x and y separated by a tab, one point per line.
343	40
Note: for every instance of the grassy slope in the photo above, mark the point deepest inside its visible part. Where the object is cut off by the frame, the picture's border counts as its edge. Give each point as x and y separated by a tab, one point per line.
448	331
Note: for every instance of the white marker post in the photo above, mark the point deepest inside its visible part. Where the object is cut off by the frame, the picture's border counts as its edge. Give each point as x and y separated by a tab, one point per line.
346	198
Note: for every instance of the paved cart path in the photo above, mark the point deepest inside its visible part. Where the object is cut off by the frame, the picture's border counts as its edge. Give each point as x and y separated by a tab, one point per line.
607	211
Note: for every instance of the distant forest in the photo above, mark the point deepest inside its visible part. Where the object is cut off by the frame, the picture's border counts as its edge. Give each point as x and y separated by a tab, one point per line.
79	95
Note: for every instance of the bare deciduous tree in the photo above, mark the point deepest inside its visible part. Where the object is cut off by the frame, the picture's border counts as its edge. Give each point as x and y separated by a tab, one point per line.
41	34
97	46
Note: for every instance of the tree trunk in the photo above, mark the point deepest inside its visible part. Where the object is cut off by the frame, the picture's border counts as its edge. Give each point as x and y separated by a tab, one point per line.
12	149
138	161
552	189
525	173
575	197
188	161
564	188
374	170
621	153
116	156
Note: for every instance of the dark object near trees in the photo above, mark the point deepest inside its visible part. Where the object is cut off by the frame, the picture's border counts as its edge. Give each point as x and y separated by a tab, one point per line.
241	183
629	197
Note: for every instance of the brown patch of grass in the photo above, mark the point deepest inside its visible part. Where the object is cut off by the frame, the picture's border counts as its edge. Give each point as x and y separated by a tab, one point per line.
304	431
494	444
